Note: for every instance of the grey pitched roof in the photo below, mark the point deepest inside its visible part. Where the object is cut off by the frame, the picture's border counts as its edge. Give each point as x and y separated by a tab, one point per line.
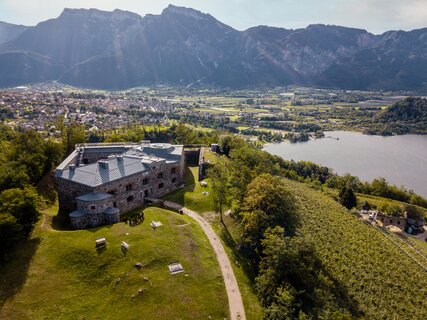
94	196
77	213
93	175
111	210
165	151
136	160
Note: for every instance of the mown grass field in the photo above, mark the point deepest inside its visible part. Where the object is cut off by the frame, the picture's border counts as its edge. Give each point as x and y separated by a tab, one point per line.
60	275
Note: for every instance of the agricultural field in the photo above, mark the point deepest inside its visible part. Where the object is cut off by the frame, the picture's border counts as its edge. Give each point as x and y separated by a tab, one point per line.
376	277
60	274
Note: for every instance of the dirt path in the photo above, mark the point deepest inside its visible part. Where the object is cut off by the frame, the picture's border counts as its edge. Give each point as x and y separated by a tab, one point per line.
237	311
46	223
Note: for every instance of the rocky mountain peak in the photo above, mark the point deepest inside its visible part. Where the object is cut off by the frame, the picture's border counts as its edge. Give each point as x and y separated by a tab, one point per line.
181	46
117	14
185	12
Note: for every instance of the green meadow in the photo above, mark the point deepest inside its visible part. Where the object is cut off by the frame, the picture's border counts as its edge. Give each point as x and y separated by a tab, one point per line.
60	274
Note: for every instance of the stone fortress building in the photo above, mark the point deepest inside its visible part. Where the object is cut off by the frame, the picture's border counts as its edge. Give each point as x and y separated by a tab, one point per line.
98	182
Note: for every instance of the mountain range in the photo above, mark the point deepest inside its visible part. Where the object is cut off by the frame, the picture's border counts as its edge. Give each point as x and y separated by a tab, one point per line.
184	47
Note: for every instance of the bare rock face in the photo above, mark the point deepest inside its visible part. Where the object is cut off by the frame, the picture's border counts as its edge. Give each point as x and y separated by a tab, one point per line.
181	46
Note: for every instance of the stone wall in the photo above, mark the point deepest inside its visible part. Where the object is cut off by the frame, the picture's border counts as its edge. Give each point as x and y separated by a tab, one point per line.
390	220
192	156
67	193
94	207
92	157
128	192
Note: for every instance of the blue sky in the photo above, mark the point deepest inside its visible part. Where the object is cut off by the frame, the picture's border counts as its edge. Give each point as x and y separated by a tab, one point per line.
376	16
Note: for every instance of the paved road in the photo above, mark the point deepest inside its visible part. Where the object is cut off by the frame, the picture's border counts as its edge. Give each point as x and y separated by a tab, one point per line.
237	311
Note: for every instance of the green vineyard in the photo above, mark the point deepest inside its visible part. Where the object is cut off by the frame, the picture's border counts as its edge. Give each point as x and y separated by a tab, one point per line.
382	279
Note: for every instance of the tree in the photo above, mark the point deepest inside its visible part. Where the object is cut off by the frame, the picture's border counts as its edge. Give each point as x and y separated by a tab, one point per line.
54	153
21	204
229	142
347	197
292	282
412	212
71	134
365	205
218	176
390	209
268	203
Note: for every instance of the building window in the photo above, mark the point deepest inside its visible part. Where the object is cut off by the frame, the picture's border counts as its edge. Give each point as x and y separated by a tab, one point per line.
145	181
129	187
173	180
130	198
173	170
160	175
160	185
85	161
92	207
146	193
115	204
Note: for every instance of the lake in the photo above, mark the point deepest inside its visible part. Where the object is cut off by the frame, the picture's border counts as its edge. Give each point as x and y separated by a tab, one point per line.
402	160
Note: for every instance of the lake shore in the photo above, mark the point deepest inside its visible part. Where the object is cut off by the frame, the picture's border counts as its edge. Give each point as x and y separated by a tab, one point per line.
402	159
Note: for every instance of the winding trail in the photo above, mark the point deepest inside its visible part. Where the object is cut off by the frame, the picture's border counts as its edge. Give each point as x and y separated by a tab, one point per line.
237	311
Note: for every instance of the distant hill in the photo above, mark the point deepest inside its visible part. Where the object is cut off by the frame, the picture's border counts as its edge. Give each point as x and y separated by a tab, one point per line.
409	109
405	116
181	46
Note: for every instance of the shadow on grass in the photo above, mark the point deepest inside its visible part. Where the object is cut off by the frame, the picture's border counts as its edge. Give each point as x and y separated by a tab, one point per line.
61	223
178	196
14	271
238	255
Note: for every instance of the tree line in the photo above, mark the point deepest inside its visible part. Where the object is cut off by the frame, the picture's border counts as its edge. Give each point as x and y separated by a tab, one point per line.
24	159
318	176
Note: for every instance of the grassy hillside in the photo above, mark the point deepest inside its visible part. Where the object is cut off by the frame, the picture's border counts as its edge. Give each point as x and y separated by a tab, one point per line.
379	280
60	275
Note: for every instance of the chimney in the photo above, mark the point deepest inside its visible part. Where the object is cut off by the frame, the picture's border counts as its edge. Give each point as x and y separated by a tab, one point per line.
72	167
103	164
